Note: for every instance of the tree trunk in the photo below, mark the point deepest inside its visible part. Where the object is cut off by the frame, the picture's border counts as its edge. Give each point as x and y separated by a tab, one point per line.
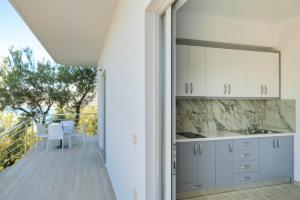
77	118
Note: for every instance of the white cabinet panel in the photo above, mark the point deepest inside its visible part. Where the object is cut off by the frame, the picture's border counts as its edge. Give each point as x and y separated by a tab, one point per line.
262	74
182	70
236	73
197	77
271	74
254	74
216	69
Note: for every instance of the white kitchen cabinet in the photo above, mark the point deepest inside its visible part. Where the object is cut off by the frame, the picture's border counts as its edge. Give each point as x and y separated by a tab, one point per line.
197	77
236	73
262	74
216	70
254	74
190	70
182	70
225	72
271	74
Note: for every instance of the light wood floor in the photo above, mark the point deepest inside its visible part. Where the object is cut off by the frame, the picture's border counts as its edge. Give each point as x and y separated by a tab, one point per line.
75	174
277	192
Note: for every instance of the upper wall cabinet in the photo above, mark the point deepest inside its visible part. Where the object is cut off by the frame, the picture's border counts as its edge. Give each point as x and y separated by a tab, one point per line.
262	74
190	71
182	70
225	73
217	72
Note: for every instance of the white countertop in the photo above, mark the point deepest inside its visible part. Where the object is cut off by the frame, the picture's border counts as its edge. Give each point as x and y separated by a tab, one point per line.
227	135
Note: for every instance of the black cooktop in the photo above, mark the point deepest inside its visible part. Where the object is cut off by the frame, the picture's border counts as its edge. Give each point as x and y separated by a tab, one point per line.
190	135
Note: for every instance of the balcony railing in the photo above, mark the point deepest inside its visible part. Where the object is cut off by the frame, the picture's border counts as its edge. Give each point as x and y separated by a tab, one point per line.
15	143
21	138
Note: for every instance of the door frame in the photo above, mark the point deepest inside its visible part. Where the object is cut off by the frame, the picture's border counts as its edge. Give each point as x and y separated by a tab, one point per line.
159	158
153	120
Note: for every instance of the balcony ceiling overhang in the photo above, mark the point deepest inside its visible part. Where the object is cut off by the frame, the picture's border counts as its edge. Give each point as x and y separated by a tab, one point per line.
72	31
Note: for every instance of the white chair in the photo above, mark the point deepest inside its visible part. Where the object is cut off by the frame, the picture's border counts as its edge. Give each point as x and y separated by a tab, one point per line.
55	132
68	129
81	133
41	131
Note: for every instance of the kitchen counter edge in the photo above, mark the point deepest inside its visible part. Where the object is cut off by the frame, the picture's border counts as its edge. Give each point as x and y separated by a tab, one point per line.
182	139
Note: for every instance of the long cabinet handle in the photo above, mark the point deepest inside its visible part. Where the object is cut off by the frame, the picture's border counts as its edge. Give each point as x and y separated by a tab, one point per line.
229	86
186	88
225	89
261	89
195	149
200	149
191	88
274	144
230	147
278	143
266	90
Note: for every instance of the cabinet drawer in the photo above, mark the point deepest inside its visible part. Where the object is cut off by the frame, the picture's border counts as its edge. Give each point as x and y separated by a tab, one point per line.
245	178
248	143
245	155
245	166
196	187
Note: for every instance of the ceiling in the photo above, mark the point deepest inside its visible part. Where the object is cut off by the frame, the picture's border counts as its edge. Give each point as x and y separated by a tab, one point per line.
72	31
271	11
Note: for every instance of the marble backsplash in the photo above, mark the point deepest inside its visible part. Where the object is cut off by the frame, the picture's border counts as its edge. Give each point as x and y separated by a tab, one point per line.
199	115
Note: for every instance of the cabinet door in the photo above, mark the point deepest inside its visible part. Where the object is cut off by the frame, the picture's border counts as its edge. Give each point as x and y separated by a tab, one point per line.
236	73
182	70
206	161
271	74
284	158
216	70
254	74
196	76
268	158
224	160
187	163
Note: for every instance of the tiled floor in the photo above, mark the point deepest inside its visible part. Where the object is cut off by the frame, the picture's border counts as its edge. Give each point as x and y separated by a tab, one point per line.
277	192
75	174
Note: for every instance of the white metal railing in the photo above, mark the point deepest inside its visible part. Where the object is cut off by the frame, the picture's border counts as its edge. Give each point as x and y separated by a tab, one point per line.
14	144
18	140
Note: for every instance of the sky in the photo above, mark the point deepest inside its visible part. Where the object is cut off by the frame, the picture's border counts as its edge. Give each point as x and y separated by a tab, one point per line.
14	32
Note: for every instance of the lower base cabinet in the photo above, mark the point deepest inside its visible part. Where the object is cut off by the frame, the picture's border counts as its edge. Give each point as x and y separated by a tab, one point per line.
276	158
196	166
232	163
224	163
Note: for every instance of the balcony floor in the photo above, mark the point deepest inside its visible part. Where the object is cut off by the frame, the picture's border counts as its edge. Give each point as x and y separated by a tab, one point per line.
75	174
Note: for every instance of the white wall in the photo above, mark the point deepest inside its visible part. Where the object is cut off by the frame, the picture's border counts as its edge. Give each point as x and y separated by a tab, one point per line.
124	59
289	45
209	28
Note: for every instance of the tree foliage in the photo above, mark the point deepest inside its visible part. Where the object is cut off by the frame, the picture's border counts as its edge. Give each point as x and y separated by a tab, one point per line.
28	86
80	83
35	87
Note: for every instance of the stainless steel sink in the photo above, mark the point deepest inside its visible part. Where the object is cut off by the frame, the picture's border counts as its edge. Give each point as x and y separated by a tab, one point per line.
190	135
255	132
